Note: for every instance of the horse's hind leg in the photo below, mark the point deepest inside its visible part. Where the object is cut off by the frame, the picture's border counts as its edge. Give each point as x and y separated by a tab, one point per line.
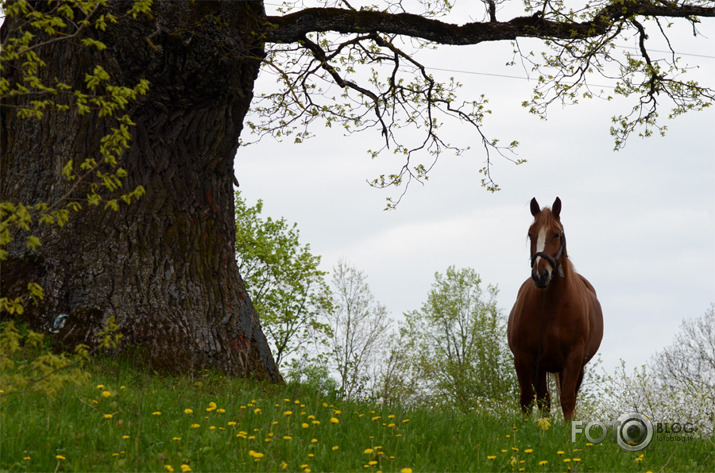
543	398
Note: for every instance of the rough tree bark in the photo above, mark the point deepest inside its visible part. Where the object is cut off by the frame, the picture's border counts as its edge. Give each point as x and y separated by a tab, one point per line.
164	266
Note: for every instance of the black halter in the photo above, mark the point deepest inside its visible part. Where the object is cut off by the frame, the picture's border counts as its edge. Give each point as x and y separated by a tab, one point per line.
551	259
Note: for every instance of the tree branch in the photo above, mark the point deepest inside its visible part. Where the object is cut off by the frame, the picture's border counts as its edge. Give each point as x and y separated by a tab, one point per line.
294	26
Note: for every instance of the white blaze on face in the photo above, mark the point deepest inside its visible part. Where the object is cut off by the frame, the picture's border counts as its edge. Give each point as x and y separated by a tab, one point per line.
540	244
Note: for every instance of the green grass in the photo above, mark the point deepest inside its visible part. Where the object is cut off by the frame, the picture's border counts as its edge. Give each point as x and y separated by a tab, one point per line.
127	420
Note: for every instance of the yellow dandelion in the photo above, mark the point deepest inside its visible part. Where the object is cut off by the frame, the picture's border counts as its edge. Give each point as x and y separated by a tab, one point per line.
334	420
108	416
185	467
288	413
544	423
529	450
125	437
169	468
304	425
287	437
176	439
27	459
106	393
406	470
560	452
372	463
257	410
284	465
543	462
404	421
122	387
315	422
577	459
377	418
195	426
337	412
188	411
314	441
491	457
368	451
156	413
60	457
212	407
100	386
335	447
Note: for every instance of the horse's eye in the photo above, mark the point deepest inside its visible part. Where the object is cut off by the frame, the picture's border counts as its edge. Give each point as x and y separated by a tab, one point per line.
557	236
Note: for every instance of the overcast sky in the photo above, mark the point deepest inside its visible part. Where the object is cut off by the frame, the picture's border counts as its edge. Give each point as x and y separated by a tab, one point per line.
640	222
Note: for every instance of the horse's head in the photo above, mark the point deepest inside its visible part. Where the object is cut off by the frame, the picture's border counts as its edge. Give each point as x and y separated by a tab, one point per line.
548	243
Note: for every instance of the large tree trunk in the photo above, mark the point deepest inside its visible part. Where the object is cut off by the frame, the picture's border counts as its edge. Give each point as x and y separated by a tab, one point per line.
164	266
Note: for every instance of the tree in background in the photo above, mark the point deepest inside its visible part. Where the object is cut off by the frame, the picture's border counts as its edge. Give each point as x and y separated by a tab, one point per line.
677	384
688	365
459	343
284	281
163	268
359	325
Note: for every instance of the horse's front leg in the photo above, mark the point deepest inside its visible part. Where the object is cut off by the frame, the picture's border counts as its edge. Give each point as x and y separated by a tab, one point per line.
524	374
571	378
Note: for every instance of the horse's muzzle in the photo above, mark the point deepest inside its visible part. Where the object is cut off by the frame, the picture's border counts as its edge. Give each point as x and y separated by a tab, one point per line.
541	278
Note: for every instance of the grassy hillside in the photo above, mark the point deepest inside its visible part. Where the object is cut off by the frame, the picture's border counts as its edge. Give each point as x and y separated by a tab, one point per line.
127	420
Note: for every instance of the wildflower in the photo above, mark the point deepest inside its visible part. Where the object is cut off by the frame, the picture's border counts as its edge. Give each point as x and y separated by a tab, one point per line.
543	462
287	437
304	425
255	455
368	451
544	423
100	386
288	413
185	467
212	407
122	387
60	457
334	420
231	423
188	411
513	461
257	410
377	418
108	416
372	463
315	422
156	413
284	465
27	459
336	411
242	434
515	449
195	426
125	437
528	450
176	438
404	421
169	468
314	441
106	393
560	452
567	460
577	459
640	457
491	457
406	470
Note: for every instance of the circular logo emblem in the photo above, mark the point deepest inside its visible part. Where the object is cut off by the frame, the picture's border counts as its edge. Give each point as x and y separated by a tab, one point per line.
634	431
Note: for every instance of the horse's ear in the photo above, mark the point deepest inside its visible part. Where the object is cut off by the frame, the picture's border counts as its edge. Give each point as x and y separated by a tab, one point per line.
556	208
535	209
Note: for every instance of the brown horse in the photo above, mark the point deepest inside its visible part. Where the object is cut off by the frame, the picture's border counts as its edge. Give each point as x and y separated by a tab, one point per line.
556	324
